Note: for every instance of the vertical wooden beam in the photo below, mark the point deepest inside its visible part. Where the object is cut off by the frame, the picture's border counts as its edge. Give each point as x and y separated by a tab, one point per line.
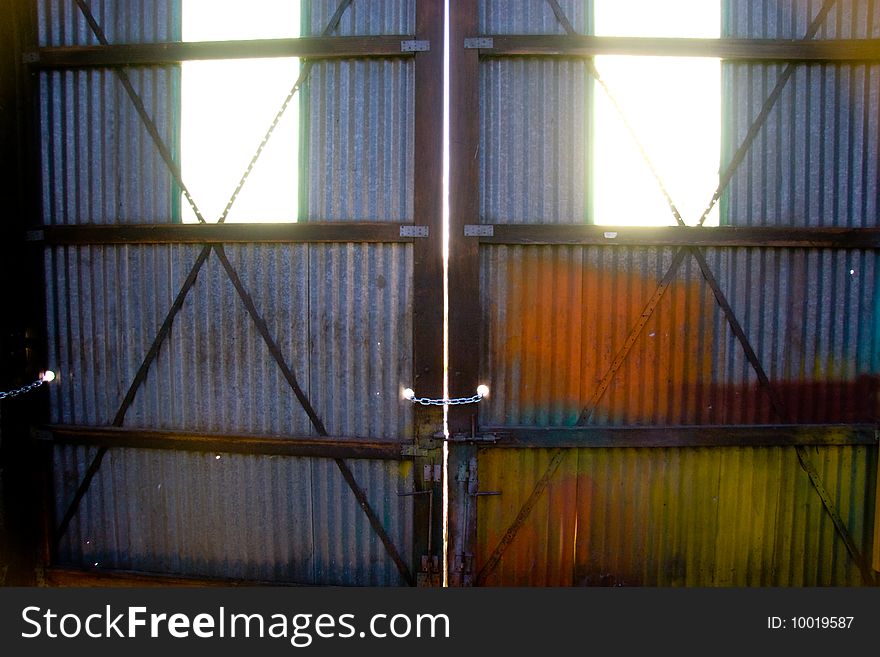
428	279
22	338
464	272
876	560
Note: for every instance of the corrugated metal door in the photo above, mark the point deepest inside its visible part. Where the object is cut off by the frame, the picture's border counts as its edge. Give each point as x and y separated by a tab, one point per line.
229	401
674	406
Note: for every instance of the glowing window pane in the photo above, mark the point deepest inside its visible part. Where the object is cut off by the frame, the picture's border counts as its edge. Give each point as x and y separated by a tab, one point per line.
673	105
227	106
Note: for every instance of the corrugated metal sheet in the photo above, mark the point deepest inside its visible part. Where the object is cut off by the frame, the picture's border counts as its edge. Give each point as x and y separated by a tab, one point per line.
350	349
556	317
364	18
340	314
817	158
810	315
675	517
534	131
534	122
503	17
360	140
360	122
61	23
234	516
361	338
99	164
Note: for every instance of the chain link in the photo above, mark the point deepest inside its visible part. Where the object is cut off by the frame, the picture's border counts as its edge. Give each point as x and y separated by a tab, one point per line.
426	401
23	390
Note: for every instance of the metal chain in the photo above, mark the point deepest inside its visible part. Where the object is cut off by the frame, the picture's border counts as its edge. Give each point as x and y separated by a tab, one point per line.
23	390
304	73
591	67
426	401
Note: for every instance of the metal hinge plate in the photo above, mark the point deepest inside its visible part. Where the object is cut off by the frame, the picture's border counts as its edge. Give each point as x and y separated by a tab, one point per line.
414	45
477	230
479	42
413	231
30	57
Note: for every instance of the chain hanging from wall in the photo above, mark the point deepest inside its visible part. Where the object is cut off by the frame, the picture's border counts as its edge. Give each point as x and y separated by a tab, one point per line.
45	377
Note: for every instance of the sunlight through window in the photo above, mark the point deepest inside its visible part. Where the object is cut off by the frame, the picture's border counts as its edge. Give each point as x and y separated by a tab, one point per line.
227	106
674	107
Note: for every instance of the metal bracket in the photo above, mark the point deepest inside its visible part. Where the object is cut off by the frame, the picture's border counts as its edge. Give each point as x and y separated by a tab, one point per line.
30	57
432	472
481	43
478	230
35	236
415	46
413	231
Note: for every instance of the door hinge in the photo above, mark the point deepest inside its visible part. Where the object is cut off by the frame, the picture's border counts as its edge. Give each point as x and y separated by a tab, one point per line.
414	45
481	43
413	231
479	230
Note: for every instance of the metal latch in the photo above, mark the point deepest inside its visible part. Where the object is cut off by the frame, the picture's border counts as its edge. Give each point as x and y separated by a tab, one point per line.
473	438
478	230
415	46
413	231
479	42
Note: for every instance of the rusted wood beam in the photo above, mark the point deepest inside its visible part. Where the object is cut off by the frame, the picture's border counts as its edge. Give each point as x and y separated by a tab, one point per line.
717	236
221	233
323	447
771	435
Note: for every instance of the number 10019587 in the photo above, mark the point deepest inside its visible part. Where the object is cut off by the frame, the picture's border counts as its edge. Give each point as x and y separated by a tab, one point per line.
810	623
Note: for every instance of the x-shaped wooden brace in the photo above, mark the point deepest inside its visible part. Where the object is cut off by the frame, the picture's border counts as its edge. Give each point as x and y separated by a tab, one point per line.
775	401
189	282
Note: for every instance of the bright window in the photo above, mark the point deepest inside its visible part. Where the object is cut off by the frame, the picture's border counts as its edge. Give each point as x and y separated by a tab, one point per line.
672	104
227	106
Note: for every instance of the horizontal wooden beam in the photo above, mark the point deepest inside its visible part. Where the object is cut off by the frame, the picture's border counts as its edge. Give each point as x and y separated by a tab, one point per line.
677	436
159	54
221	233
514	233
812	50
324	447
81	578
722	236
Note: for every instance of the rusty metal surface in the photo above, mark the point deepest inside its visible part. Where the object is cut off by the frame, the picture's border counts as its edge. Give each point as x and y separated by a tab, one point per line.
556	316
733	516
